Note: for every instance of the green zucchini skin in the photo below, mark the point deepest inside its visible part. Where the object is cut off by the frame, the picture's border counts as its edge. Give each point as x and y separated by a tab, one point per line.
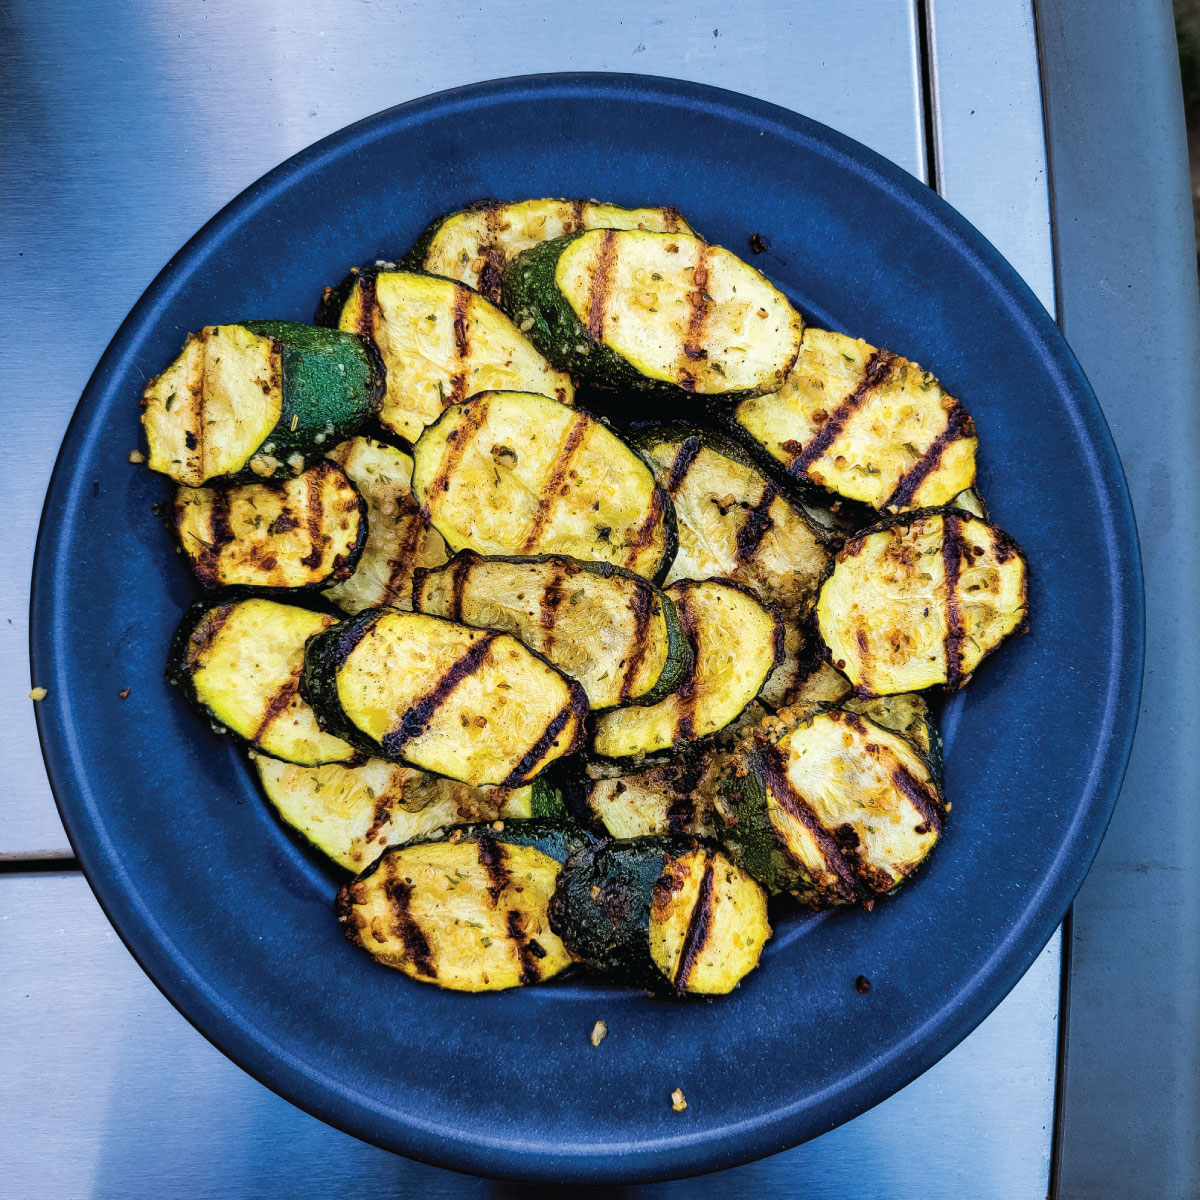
601	907
318	685
529	295
333	383
556	838
679	651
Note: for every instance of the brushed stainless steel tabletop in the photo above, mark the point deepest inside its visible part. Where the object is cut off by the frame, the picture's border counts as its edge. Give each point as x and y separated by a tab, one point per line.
125	126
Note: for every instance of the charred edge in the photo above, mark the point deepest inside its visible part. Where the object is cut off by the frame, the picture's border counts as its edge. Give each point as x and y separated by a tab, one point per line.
279	704
878	368
775	777
643	602
756	526
473	416
682	808
493	859
558	472
530	973
539	749
207	629
956	633
919	796
698	930
400	567
462	347
368	304
493	257
416	720
685	456
345	636
458	585
671	219
693	342
645	534
601	281
685	725
314	503
958	426
416	945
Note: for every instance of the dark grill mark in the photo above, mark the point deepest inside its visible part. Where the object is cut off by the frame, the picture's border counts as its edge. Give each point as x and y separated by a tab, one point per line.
685	723
539	749
877	370
220	534
642	601
493	266
693	342
368	304
462	347
473	416
685	456
493	860
681	809
756	526
384	801
196	409
554	482
400	566
552	597
646	531
601	282
416	945
698	930
774	772
919	796
416	720
578	221
956	634
314	503
205	633
958	426
278	705
458	585
526	954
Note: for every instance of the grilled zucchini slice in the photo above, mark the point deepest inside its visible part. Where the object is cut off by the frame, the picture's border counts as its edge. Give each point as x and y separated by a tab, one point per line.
239	661
516	473
664	913
635	309
475	244
737	643
666	798
473	705
258	400
468	913
920	601
866	424
298	533
606	627
399	538
831	807
732	521
441	342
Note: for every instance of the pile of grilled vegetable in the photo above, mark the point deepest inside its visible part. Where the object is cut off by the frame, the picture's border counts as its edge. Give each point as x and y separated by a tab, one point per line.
561	691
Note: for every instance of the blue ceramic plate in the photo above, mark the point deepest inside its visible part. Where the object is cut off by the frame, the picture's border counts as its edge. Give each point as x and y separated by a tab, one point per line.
231	917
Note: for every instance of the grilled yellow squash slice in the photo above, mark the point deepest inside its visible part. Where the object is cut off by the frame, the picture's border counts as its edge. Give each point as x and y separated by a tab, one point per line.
866	424
920	601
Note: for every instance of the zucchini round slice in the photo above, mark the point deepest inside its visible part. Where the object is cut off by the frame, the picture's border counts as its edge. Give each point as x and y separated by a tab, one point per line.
737	643
258	400
351	814
606	627
732	521
467	914
664	913
473	705
635	309
441	342
475	244
240	661
835	810
920	601
516	473
298	533
667	798
399	538
866	424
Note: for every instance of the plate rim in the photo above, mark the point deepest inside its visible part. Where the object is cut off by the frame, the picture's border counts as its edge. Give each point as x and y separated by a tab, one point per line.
683	1155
